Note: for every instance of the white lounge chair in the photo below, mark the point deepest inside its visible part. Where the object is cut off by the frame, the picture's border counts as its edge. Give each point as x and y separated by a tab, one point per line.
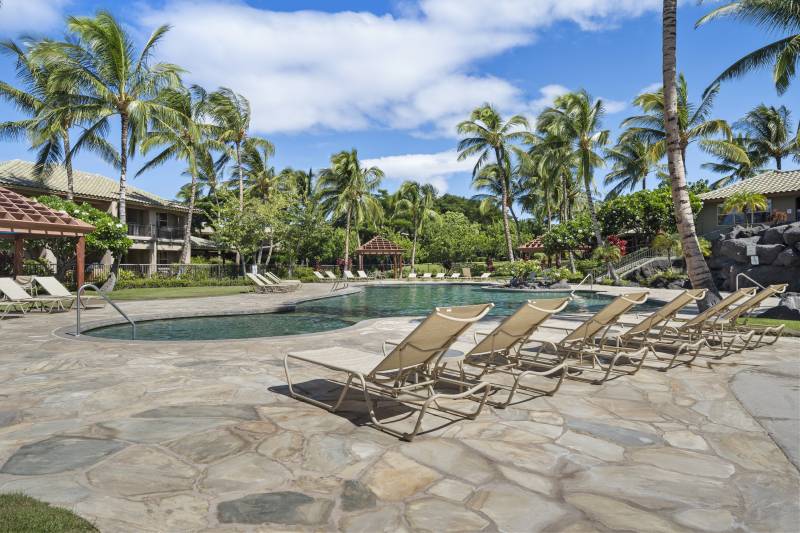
486	275
412	275
455	275
427	275
13	292
276	279
319	276
348	274
363	275
330	275
53	287
440	275
271	285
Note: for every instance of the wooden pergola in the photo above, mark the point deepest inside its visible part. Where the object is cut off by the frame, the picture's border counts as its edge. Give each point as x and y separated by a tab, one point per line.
381	246
531	247
22	218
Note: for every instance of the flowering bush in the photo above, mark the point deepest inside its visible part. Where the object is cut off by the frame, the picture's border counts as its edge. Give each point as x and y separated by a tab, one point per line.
622	244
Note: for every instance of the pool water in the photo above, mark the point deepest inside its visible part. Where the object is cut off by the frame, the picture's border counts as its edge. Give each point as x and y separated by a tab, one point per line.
342	311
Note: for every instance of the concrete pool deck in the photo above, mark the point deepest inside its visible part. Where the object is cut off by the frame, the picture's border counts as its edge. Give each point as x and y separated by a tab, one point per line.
201	436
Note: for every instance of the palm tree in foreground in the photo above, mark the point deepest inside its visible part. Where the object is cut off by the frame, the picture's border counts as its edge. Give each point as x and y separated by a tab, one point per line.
416	204
769	133
486	133
696	266
346	190
783	54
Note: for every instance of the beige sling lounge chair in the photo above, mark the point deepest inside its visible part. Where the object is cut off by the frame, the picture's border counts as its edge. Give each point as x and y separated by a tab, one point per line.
12	291
276	279
363	275
762	335
497	352
401	373
270	285
331	275
53	287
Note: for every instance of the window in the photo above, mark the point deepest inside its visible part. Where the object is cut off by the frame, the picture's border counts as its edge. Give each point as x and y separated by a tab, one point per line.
730	219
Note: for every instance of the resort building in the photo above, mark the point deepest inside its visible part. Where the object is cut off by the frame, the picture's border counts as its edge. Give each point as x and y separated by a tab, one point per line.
780	187
154	224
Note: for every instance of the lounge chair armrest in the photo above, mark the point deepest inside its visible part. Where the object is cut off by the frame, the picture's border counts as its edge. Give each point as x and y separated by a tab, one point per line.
482	334
389	343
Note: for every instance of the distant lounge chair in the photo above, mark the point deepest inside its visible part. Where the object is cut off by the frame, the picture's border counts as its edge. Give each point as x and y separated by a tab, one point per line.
426	275
330	275
13	292
263	285
486	275
412	275
440	275
363	275
273	286
402	373
276	279
348	274
319	276
53	287
455	275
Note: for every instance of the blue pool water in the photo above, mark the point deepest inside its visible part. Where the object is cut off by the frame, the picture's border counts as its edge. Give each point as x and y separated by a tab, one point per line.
342	311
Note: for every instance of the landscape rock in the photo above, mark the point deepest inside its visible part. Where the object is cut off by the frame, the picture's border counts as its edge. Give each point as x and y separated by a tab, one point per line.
788	258
59	454
765	275
767	253
736	249
792	234
774	235
287	507
787	309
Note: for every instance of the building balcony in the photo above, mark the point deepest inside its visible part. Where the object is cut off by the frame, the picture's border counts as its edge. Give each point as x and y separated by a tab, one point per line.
149	231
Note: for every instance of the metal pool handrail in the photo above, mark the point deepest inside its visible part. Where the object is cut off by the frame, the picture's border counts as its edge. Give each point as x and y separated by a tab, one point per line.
742	274
81	290
591	286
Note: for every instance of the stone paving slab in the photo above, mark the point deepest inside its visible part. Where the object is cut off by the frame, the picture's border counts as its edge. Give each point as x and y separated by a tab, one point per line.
202	436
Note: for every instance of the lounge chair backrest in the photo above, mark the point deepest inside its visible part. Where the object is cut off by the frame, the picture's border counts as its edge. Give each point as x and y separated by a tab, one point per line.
348	274
256	281
466	272
426	275
432	337
455	275
719	308
362	274
330	274
412	275
12	291
273	277
754	302
52	286
485	275
516	328
440	275
319	275
265	280
606	316
666	312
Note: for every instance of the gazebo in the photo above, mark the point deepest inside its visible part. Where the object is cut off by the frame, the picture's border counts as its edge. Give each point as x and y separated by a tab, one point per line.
381	246
22	218
531	247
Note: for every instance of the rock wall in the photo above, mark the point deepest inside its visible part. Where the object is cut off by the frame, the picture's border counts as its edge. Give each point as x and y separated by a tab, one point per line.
777	249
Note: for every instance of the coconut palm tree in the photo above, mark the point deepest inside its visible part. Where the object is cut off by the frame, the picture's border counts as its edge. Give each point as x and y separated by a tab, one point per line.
231	112
346	190
772	15
485	134
260	178
744	202
416	203
47	130
577	119
694	121
696	266
100	62
770	133
488	181
737	160
631	162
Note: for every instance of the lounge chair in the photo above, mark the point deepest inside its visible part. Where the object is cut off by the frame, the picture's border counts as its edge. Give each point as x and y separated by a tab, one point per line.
402	370
348	275
319	276
427	275
486	275
581	347
363	275
11	306
455	275
412	275
13	292
439	275
762	335
497	351
276	279
331	275
271	285
53	287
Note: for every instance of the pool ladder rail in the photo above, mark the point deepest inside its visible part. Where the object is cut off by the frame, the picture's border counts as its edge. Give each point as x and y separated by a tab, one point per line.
81	290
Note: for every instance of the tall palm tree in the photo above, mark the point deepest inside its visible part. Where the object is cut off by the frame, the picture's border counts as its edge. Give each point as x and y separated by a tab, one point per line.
772	15
737	160
260	179
577	119
346	190
631	162
416	204
183	135
231	112
100	61
47	130
699	273
485	134
694	121
489	183
770	133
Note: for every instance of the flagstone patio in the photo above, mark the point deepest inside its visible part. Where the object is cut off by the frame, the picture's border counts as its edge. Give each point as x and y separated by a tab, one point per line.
202	436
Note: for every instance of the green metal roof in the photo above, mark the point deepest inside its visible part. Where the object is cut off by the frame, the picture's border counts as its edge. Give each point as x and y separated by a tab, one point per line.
18	173
770	182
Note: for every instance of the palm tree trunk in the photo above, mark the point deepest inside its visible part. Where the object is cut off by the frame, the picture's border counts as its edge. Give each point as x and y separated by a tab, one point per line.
271	247
506	229
347	239
414	249
644	183
123	173
587	182
778	161
696	266
241	176
547	208
516	222
68	166
186	250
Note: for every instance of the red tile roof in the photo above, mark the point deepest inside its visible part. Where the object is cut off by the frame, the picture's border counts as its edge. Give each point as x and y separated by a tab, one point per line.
380	245
19	214
534	245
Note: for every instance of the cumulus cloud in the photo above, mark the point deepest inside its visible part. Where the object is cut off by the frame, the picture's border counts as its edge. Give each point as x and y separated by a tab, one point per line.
412	70
425	168
653	87
30	16
614	106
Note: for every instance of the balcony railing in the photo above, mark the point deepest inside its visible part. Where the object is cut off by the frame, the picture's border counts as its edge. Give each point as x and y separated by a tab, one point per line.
151	230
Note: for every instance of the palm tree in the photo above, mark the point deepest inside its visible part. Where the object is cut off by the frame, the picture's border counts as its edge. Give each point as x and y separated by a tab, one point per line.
346	190
783	54
486	133
693	121
260	179
416	204
185	139
47	129
770	133
576	119
231	112
489	181
608	254
101	63
737	160
745	201
696	266
632	161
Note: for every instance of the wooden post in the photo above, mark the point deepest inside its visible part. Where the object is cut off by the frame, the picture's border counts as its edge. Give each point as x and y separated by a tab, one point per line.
80	260
19	254
361	261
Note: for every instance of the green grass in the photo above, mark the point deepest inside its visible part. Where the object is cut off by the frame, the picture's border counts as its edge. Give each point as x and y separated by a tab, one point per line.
792	326
157	293
22	514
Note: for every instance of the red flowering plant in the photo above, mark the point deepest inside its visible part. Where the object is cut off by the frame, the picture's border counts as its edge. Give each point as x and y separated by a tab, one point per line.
620	243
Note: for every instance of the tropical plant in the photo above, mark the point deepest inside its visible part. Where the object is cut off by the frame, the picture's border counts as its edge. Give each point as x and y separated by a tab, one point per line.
346	190
674	139
773	15
416	204
737	160
98	74
609	254
489	182
631	162
666	243
744	202
485	134
769	132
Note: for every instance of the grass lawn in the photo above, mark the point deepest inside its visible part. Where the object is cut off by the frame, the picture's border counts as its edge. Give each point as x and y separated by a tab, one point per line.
175	292
20	513
792	326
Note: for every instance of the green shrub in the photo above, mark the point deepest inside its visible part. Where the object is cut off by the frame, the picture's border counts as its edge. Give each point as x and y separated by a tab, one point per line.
302	273
186	281
37	267
665	277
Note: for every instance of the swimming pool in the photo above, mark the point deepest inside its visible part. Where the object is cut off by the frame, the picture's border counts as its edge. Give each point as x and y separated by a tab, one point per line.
341	311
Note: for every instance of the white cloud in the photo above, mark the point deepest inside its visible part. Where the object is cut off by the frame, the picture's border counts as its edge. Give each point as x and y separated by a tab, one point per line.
26	16
309	70
653	87
614	106
425	168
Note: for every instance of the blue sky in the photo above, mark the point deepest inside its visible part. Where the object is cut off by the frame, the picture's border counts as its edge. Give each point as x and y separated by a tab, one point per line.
392	78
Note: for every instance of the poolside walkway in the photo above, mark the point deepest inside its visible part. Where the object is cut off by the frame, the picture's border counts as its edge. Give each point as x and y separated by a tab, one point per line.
201	436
